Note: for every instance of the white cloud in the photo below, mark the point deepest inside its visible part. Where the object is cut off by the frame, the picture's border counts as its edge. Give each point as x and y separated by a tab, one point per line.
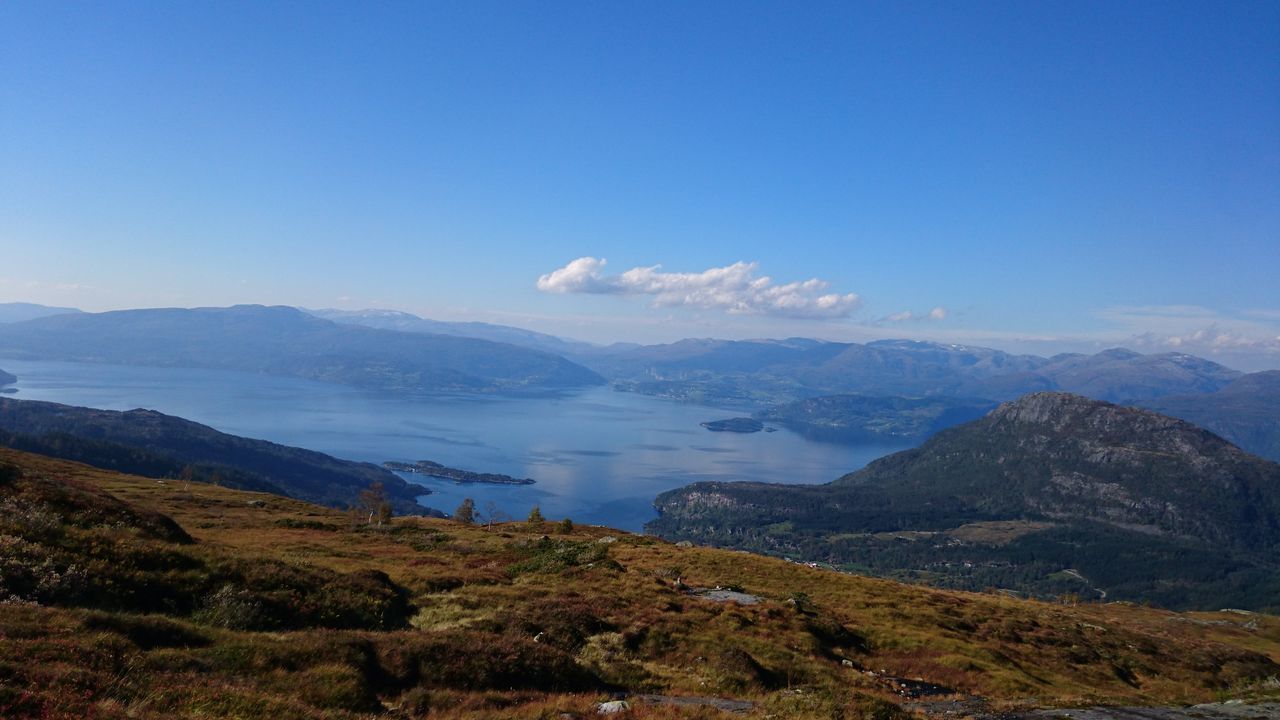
938	313
1250	339
734	289
584	275
1211	339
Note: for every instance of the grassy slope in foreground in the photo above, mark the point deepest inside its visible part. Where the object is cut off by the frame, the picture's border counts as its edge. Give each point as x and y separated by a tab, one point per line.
131	597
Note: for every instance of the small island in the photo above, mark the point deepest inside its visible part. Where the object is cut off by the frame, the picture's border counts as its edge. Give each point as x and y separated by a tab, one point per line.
738	425
435	469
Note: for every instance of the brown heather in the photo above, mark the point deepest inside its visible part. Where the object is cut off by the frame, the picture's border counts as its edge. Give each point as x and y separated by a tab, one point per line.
135	598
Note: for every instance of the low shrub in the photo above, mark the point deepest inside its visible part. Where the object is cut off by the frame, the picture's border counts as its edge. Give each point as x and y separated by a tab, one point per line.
232	608
148	632
564	621
9	473
296	524
551	556
739	672
479	661
271	595
334	686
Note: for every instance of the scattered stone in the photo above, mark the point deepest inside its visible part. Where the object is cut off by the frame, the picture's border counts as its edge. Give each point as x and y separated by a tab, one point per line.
722	595
684	543
257	503
917	687
613	707
607	539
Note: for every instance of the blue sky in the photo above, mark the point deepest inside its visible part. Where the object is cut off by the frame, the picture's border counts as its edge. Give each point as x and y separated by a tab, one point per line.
1035	176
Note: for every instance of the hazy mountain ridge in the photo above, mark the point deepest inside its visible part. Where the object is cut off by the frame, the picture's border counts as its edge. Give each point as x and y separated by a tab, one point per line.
150	443
408	322
1246	412
788	379
393	350
767	372
21	311
1124	492
285	341
7	378
447	356
1121	375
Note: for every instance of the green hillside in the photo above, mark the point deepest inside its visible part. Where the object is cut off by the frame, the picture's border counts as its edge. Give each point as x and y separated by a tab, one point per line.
1079	497
146	442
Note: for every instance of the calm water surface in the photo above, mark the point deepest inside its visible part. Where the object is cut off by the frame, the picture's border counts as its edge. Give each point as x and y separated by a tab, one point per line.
598	456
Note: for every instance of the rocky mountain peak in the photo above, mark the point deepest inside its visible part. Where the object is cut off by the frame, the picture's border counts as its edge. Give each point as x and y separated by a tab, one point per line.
1082	419
1053	408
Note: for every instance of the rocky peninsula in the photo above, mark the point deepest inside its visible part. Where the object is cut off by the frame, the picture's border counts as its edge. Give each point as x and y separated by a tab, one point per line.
435	469
738	425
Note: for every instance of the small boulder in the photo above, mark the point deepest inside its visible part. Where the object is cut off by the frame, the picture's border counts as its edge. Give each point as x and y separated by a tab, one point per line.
613	707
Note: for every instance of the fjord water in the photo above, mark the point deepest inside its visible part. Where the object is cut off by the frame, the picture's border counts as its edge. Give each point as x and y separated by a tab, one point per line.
598	456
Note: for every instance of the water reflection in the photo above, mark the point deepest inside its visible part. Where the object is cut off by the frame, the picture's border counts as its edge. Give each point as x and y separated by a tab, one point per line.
599	456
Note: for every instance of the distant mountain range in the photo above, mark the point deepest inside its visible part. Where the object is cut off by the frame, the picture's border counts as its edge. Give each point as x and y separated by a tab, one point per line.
1116	375
1052	493
1246	412
286	341
7	378
148	443
893	389
907	389
398	350
765	372
406	322
19	311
